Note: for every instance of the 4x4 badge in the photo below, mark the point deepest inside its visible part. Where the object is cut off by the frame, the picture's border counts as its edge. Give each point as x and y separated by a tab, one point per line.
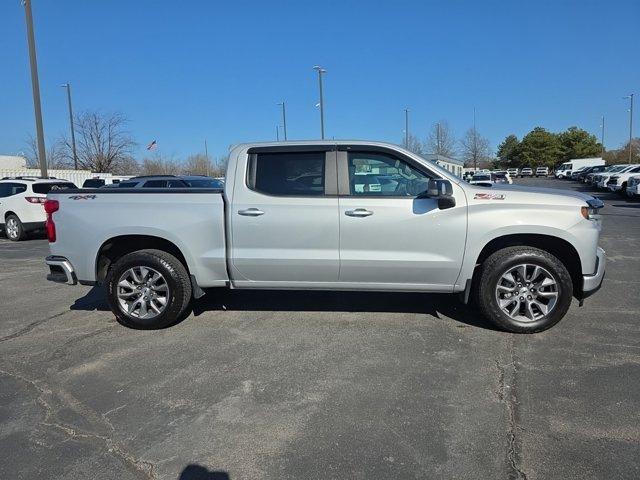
82	197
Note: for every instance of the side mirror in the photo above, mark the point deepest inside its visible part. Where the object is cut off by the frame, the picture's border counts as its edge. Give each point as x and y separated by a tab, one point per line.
441	190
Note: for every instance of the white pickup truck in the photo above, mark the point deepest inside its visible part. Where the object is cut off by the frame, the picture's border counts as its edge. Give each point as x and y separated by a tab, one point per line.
336	215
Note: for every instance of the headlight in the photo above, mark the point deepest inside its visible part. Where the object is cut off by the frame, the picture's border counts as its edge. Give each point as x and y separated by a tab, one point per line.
591	211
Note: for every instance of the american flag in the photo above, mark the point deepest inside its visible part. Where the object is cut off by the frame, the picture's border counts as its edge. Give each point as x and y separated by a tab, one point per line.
152	145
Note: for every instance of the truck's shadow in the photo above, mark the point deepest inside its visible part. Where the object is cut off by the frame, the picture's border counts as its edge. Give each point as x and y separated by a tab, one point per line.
435	305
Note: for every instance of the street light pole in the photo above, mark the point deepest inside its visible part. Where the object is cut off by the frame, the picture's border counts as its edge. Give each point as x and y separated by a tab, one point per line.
406	128
630	97
602	137
320	71
35	86
73	135
284	119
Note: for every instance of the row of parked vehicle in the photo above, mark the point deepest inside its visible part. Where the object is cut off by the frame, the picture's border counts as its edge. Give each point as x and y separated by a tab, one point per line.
529	172
22	198
623	179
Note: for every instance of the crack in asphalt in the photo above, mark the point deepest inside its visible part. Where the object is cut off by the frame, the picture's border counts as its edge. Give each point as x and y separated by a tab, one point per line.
507	393
60	351
31	326
140	467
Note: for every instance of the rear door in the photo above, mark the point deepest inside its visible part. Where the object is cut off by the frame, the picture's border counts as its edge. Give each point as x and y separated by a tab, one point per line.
388	236
284	218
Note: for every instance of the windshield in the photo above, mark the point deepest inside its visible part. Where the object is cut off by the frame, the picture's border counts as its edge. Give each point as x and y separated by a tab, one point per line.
481	178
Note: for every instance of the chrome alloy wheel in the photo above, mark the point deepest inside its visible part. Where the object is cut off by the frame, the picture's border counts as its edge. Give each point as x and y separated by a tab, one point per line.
142	292
527	292
12	228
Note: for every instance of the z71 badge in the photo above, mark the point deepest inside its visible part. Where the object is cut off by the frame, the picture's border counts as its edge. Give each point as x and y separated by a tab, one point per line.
82	197
489	196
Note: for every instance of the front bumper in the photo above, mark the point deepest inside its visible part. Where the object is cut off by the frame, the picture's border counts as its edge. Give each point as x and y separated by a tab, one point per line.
592	283
61	270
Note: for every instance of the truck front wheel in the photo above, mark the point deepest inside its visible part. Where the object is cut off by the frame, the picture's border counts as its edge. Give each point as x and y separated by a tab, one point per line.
524	289
148	289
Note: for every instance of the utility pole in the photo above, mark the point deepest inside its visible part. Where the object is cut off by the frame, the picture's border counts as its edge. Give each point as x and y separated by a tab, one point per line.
406	128
73	135
321	71
630	97
277	133
284	120
206	149
602	137
438	138
35	86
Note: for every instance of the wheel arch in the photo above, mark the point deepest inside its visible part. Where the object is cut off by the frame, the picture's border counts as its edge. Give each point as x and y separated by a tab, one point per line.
558	247
10	212
116	247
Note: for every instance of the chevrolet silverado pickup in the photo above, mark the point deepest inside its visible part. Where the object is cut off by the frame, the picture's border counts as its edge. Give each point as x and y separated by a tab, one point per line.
335	215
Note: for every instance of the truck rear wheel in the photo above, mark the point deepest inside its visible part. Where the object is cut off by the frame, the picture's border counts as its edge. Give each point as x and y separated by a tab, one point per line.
524	289
148	289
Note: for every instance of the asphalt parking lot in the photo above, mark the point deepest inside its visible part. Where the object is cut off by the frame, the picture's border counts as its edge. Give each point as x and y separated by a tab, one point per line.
319	385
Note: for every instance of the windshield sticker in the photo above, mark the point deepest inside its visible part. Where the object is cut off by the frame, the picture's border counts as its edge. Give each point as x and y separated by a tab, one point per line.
489	196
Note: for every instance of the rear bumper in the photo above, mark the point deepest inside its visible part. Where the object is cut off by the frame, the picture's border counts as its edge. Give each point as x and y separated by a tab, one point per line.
592	283
61	270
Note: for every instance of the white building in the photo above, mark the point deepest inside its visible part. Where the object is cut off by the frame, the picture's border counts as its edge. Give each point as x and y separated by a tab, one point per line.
450	164
12	162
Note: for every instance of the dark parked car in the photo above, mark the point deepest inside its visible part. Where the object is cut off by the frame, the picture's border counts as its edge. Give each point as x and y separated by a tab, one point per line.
202	181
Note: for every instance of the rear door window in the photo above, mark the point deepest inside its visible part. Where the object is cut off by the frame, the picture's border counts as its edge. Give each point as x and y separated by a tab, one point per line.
155	184
176	184
288	173
10	188
45	188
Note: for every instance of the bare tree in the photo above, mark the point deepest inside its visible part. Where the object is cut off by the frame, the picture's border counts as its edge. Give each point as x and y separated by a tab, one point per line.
414	144
199	164
475	147
440	140
57	154
103	143
159	165
128	166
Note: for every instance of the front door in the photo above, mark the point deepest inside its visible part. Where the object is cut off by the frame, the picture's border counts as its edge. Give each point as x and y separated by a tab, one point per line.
390	237
284	222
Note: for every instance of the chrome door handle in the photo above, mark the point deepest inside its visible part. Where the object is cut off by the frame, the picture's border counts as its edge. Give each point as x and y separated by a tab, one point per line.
251	212
358	212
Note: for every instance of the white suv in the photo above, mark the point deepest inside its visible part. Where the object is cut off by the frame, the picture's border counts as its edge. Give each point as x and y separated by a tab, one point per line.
21	204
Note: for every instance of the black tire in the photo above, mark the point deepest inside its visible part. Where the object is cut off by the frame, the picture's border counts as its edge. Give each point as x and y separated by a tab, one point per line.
623	190
492	269
20	232
177	279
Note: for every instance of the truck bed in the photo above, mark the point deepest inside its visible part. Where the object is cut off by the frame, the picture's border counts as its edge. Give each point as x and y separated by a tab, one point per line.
190	218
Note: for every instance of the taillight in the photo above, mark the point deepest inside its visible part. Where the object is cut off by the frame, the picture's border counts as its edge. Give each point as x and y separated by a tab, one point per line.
35	199
51	206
